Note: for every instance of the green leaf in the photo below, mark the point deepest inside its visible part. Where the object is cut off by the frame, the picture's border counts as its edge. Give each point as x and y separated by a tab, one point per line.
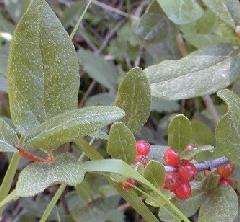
228	128
154	172
201	133
3	60
72	124
233	7
179	132
121	143
196	74
134	98
43	69
5	25
99	69
220	205
157	34
100	99
38	176
160	105
209	30
181	11
220	8
8	137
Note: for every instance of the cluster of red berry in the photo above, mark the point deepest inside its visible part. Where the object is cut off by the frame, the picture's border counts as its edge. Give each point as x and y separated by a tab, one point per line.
225	171
179	181
142	151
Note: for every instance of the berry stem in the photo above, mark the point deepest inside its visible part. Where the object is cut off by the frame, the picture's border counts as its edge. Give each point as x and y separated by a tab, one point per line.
206	165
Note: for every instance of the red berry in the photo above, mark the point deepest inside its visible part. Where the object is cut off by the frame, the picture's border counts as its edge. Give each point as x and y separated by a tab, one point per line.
225	170
183	190
187	171
142	147
141	159
189	147
128	184
226	181
171	158
171	181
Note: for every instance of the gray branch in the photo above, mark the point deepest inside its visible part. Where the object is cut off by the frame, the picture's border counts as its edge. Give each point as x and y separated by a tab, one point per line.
206	165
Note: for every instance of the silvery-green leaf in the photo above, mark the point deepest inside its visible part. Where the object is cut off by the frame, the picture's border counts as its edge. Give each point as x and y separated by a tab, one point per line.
181	11
100	99
3	60
201	133
155	173
157	34
179	132
5	25
8	137
68	126
134	98
38	176
228	128
200	73
43	69
121	143
220	205
99	69
161	105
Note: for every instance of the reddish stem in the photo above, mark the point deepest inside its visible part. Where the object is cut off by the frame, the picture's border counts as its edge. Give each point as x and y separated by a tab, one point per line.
31	157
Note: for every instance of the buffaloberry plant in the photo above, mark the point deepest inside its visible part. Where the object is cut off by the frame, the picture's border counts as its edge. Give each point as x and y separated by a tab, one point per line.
162	140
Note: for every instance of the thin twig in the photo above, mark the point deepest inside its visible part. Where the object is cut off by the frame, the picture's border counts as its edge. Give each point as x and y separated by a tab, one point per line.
90	88
79	20
181	45
109	36
206	165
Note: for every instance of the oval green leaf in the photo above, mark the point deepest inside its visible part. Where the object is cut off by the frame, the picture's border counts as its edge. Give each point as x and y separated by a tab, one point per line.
196	74
99	69
71	125
121	143
179	132
228	128
43	69
154	172
220	205
38	176
134	98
